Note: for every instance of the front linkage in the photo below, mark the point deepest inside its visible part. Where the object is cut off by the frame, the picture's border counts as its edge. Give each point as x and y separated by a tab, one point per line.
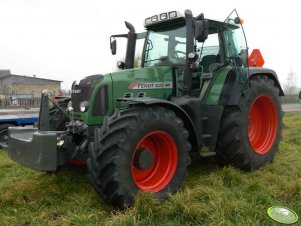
55	142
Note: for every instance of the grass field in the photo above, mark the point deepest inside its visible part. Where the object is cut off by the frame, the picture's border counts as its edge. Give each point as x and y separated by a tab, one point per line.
209	196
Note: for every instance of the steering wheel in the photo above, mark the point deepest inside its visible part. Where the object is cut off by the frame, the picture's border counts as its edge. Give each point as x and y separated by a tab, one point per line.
180	59
177	52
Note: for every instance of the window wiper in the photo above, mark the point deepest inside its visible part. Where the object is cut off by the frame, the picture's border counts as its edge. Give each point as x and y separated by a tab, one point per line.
152	60
165	58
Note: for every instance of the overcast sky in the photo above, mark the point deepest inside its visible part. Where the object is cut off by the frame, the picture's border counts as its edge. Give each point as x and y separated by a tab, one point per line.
69	39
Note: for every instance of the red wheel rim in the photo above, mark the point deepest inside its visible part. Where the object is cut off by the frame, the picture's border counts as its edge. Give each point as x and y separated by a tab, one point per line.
164	165
263	124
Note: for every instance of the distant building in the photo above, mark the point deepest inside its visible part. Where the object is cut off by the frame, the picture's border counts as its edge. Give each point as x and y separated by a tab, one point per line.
26	86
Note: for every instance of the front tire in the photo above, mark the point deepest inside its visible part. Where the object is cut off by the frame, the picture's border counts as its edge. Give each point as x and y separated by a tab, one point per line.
142	149
250	132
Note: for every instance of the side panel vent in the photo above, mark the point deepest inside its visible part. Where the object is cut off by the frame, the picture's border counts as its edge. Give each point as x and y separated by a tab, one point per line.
101	104
141	94
128	95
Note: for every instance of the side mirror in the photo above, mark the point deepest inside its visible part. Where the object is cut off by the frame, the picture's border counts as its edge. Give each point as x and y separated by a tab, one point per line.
201	30
244	57
113	47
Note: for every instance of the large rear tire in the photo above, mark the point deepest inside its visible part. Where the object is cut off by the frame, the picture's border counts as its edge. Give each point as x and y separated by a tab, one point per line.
144	149
250	132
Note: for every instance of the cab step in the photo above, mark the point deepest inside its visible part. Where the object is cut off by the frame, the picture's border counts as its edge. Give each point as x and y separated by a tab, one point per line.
207	154
207	136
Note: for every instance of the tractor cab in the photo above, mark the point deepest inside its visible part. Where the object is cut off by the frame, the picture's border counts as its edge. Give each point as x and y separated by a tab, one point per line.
224	43
195	47
167	45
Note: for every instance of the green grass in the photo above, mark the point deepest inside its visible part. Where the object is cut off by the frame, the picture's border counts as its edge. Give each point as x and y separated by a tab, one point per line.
209	196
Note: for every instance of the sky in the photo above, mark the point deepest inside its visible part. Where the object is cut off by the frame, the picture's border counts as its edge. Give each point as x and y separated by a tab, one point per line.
67	40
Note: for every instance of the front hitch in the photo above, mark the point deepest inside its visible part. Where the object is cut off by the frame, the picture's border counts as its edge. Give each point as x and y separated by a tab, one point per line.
38	148
35	149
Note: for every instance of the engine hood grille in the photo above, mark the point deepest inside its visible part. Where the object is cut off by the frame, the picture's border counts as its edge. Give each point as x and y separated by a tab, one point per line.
83	91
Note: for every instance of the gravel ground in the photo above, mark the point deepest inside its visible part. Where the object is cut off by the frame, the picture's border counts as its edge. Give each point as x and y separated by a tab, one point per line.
291	107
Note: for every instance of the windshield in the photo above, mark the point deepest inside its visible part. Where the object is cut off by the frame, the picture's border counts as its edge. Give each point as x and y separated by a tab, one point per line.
165	46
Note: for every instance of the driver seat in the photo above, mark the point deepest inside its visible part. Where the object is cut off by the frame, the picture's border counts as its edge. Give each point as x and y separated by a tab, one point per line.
207	61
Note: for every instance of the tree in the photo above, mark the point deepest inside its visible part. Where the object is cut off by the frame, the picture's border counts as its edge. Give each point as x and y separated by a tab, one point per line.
289	86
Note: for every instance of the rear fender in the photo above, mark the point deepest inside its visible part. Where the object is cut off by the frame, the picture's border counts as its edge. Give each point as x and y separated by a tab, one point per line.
257	71
231	91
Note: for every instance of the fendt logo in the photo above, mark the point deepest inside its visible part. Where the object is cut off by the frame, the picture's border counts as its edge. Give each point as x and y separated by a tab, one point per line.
76	91
151	85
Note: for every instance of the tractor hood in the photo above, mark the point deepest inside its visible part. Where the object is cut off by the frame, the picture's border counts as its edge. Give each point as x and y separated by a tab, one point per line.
83	91
90	98
97	96
154	82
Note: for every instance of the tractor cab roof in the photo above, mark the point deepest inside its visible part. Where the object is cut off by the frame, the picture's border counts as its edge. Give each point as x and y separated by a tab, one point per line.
214	25
176	19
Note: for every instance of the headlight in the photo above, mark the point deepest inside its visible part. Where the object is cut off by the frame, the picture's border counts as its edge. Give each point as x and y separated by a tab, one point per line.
172	14
154	18
148	21
162	17
69	106
83	106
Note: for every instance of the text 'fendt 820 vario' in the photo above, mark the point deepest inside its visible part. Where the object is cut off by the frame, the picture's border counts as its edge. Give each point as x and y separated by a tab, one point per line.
194	92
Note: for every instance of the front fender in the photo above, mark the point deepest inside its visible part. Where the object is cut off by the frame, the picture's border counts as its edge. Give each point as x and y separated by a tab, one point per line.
180	112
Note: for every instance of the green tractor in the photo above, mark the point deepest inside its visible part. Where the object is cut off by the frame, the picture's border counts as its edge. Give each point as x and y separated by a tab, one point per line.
135	128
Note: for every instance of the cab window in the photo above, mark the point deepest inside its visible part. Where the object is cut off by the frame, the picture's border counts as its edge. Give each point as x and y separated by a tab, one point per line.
209	53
